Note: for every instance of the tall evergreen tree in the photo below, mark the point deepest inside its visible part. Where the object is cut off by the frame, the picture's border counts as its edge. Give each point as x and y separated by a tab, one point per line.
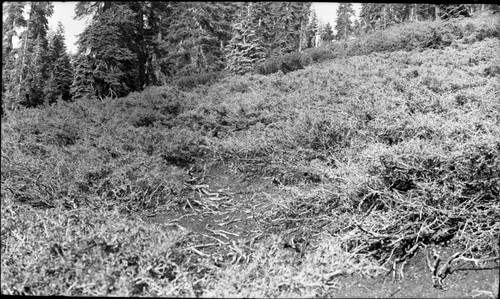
376	16
196	37
82	85
30	71
289	19
60	72
246	46
13	22
447	11
312	29
344	25
327	33
356	28
109	44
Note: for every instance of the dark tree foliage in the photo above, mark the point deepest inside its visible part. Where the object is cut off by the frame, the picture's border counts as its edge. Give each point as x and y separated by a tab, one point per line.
196	35
60	69
27	66
109	44
83	81
246	46
376	16
327	33
447	11
290	19
13	21
344	26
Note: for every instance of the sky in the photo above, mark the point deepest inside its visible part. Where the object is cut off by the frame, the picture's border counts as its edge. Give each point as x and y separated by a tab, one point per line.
327	11
64	11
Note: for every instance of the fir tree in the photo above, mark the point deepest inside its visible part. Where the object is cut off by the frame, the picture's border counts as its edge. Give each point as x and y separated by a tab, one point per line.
60	73
196	37
312	29
14	21
31	69
82	85
446	11
375	16
108	43
289	26
246	46
327	33
344	26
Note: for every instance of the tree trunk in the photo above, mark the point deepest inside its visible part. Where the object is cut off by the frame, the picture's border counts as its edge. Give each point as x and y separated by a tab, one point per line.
142	56
436	12
24	53
384	15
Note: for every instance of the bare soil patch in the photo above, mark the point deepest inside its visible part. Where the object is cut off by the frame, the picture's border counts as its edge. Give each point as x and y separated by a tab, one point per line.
223	212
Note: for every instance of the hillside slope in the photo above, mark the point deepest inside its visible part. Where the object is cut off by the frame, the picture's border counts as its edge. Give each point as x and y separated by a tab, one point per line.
348	167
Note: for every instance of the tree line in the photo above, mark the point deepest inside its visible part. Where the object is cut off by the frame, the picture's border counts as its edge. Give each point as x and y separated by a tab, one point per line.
128	45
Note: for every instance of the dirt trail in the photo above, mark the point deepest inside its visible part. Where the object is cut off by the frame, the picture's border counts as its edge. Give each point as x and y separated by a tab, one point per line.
222	213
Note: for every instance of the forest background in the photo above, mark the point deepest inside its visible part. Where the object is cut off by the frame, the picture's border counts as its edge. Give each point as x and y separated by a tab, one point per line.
127	46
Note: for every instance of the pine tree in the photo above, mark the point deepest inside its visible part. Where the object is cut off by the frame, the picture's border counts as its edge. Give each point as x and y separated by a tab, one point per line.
327	33
312	29
196	37
376	16
246	46
82	85
446	11
60	73
14	21
356	28
344	23
31	69
156	27
289	26
108	43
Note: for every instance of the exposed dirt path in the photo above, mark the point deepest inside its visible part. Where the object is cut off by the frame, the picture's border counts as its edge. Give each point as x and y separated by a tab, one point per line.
222	213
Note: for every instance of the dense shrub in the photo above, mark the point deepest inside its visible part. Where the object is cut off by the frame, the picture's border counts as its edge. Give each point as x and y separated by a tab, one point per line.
315	55
286	63
187	83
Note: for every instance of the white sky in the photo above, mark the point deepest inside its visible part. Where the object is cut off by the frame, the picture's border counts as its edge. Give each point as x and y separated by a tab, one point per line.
327	11
64	11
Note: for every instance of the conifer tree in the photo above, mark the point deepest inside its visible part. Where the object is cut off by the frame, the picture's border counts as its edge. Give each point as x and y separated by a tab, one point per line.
60	72
246	45
327	33
446	11
289	25
108	44
82	85
312	29
375	16
30	71
196	37
344	25
14	21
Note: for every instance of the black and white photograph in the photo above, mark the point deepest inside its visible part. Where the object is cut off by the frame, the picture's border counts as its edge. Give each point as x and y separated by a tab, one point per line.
250	149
